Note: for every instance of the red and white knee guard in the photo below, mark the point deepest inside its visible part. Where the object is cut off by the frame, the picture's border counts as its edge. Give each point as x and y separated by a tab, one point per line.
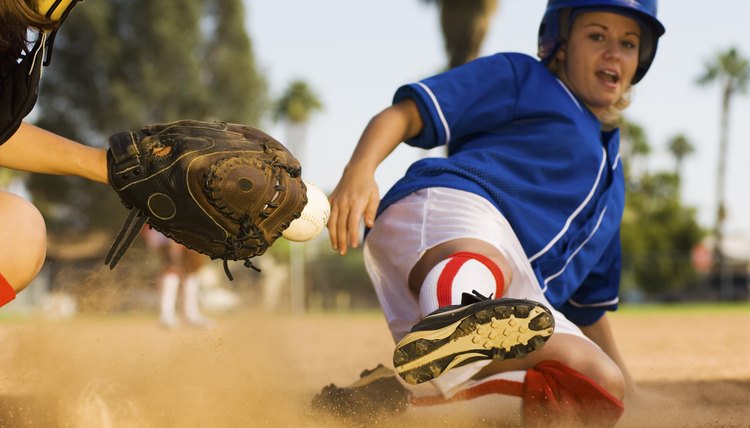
460	273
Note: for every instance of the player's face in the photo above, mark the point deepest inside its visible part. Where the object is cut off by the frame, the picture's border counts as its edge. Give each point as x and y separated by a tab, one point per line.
600	58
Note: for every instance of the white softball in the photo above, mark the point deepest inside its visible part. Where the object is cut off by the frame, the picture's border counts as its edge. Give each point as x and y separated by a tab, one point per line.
313	219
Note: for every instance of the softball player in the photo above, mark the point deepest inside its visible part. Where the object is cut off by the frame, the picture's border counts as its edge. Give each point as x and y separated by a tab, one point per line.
178	280
472	255
28	148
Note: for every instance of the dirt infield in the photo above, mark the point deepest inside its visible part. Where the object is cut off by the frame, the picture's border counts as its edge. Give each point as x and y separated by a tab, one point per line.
253	369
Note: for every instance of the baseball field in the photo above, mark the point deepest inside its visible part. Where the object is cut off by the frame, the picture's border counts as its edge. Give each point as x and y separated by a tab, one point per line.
254	369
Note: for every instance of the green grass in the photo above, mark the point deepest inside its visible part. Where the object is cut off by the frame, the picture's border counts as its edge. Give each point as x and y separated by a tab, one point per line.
625	309
12	317
359	312
684	308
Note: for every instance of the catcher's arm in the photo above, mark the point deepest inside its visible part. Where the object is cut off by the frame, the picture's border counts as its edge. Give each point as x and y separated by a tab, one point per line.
33	149
356	194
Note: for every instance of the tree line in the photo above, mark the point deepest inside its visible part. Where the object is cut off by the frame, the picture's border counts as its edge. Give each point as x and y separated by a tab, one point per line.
120	64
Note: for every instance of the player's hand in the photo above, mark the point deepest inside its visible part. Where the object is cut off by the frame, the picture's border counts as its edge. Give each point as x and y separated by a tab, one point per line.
356	196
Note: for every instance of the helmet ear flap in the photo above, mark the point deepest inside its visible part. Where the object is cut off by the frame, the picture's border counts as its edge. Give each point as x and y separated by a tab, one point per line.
547	38
564	22
553	32
563	18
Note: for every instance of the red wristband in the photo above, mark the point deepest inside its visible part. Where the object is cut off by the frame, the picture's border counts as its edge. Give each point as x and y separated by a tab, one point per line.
7	293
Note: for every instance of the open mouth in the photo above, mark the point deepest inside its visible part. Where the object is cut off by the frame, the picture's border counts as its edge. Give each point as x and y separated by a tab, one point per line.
609	76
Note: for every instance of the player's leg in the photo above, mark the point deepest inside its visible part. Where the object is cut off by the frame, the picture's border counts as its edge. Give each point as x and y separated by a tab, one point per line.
171	282
169	286
570	380
550	393
477	268
192	263
600	332
466	318
406	232
458	266
24	244
483	254
455	231
573	351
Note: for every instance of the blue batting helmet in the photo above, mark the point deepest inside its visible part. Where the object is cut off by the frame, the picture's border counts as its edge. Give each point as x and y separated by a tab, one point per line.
556	23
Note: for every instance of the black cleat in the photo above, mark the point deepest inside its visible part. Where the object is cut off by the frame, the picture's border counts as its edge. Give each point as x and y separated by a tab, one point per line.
453	336
377	391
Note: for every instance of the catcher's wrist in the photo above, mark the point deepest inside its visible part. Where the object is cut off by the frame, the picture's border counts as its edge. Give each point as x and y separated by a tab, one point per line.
91	163
99	171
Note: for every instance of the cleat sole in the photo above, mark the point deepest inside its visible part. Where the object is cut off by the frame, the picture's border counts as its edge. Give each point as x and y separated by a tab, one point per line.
489	330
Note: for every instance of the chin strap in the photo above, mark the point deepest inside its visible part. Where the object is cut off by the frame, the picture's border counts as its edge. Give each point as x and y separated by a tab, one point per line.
55	10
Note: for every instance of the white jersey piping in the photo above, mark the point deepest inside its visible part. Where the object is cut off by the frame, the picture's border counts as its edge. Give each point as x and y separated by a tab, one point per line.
567	262
575	213
594	305
439	111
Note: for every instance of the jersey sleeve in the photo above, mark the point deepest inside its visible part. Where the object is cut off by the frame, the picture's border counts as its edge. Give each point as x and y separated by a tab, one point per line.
600	289
471	98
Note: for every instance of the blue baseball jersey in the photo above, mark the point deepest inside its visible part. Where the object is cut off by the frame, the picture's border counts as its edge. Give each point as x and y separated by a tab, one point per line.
519	138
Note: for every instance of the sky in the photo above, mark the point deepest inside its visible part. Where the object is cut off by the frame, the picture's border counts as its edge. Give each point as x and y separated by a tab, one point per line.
354	54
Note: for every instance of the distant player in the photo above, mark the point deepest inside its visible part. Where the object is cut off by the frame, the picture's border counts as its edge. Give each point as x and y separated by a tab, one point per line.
472	255
179	283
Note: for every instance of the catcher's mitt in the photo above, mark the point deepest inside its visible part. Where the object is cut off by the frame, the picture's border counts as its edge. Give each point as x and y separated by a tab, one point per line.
221	189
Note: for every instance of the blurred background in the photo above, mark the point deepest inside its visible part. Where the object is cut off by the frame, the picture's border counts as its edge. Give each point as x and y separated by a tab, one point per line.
312	74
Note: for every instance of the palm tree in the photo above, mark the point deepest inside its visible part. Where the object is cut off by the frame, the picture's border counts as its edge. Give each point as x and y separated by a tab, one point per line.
680	147
295	108
633	145
731	71
636	138
297	104
464	24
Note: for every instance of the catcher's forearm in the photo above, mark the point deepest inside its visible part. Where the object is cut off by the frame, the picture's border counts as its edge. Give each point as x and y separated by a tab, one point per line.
33	149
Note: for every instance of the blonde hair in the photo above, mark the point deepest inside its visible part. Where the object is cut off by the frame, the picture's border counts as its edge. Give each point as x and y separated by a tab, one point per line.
610	119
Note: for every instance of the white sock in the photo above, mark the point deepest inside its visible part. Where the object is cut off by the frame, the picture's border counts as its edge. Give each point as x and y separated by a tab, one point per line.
460	273
192	308
170	283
